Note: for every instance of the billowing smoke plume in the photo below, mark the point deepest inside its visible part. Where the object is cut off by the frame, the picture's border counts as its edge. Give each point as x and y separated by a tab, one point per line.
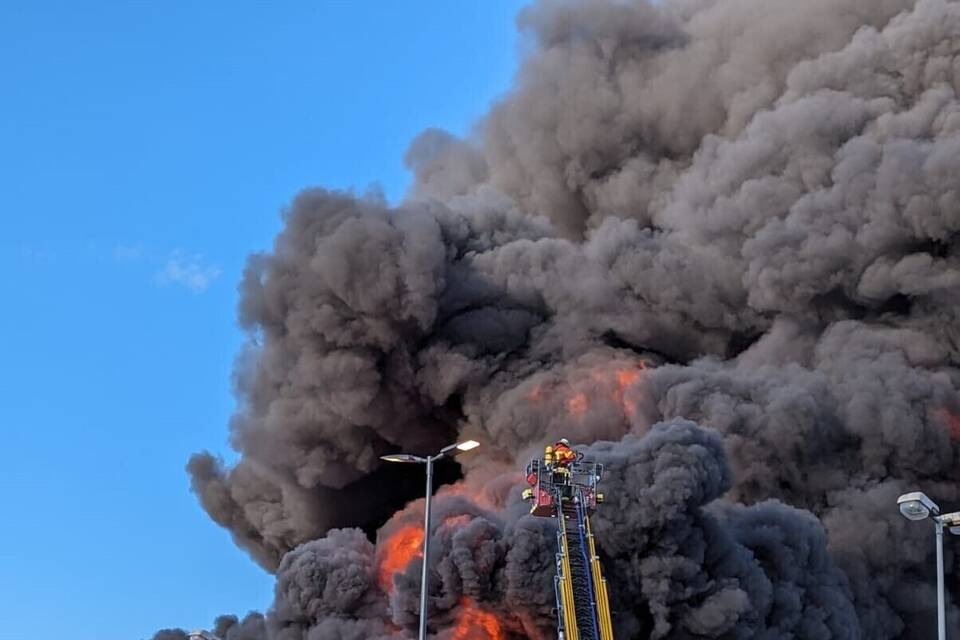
740	213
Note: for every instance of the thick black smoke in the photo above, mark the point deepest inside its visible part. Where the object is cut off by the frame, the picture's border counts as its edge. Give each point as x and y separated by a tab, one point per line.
744	213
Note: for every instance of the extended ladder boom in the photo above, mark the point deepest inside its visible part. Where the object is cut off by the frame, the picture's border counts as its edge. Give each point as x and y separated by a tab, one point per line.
582	604
565	488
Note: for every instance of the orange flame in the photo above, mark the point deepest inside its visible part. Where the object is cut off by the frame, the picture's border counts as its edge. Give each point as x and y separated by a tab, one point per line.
399	549
535	394
455	522
625	379
578	404
618	381
474	623
949	419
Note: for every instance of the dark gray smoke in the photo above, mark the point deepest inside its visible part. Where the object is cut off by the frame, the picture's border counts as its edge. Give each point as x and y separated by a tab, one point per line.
225	628
743	213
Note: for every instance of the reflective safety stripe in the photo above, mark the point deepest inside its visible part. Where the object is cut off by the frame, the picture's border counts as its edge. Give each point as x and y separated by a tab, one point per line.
567	606
600	587
583	601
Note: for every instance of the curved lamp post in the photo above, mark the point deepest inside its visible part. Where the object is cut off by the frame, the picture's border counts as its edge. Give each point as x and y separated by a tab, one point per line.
917	506
451	451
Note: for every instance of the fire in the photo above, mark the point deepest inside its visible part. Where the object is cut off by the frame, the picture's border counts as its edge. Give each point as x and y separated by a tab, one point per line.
626	377
455	522
535	394
949	419
474	623
618	381
399	549
577	405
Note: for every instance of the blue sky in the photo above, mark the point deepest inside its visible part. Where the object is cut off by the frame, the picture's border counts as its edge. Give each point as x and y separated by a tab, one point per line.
145	149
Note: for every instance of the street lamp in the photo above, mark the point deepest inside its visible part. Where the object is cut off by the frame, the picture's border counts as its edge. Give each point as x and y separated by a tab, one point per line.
450	451
917	506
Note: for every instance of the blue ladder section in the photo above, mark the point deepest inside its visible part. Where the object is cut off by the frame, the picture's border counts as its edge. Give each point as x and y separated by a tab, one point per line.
581	575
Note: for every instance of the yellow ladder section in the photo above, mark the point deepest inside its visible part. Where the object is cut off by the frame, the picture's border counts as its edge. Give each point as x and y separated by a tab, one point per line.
599	588
566	586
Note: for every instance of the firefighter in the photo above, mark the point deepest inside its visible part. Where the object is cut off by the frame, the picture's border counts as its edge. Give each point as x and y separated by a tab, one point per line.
563	454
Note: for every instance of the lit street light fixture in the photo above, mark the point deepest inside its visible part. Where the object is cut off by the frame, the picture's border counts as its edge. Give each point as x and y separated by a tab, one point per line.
917	506
451	451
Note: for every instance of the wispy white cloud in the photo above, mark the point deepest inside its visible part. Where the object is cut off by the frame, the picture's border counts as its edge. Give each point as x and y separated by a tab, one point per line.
189	271
35	254
127	252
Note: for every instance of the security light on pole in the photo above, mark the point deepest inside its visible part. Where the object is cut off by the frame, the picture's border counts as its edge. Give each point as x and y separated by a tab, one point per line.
450	451
918	506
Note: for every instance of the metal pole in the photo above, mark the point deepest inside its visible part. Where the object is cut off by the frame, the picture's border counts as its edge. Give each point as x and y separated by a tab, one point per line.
941	604
426	553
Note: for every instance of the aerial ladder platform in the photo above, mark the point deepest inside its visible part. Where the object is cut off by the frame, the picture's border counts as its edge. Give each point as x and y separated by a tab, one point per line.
567	491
